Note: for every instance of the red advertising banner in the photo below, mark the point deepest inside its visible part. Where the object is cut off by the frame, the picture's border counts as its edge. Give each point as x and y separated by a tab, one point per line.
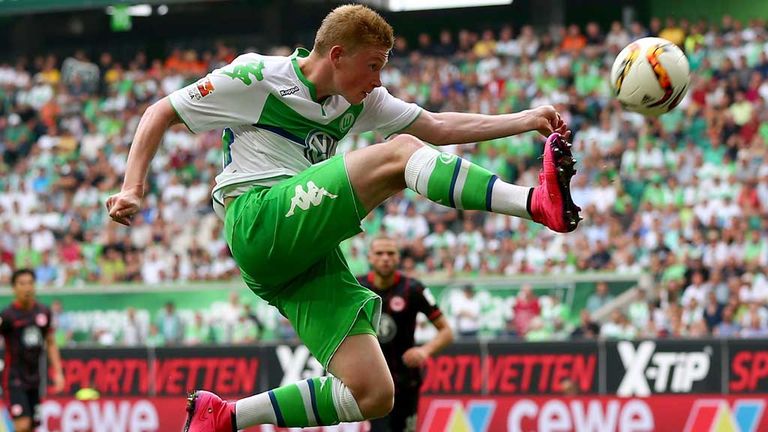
673	413
512	369
135	414
456	414
748	367
593	414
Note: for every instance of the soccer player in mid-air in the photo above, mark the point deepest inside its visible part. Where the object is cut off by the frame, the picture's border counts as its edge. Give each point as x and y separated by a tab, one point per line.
403	298
27	330
287	202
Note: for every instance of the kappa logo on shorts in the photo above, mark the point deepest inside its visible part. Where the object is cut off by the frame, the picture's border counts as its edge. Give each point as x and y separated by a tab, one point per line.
313	196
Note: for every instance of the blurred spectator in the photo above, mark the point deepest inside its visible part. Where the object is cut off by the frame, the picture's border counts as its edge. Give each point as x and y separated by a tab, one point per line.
198	332
599	298
249	314
727	327
525	310
587	329
62	322
229	318
245	331
638	311
713	311
466	311
155	338
170	326
697	290
617	38
673	32
134	330
573	41
618	327
755	328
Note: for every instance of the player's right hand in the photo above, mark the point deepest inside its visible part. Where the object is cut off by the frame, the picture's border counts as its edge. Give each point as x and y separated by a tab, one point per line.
545	119
122	206
58	383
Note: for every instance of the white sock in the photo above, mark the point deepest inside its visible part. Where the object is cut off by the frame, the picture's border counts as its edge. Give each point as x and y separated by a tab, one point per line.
510	199
254	410
346	405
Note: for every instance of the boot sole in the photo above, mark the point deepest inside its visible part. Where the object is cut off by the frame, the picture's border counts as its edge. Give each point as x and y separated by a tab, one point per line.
564	162
190	409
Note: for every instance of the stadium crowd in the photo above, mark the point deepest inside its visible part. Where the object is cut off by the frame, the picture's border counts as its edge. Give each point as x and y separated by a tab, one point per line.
681	197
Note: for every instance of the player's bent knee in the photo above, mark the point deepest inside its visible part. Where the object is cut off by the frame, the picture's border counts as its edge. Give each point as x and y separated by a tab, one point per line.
404	146
377	404
375	399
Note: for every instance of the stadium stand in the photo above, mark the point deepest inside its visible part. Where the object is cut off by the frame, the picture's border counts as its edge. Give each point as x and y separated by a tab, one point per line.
681	198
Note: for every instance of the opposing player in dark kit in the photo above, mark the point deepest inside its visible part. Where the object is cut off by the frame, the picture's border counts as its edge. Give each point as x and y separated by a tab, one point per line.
27	330
402	299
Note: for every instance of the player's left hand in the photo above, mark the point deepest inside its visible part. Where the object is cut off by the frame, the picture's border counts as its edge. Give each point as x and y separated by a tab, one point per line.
124	205
546	120
58	383
415	357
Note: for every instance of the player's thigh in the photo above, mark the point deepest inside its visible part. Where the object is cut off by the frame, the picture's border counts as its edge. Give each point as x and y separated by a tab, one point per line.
326	304
377	172
276	234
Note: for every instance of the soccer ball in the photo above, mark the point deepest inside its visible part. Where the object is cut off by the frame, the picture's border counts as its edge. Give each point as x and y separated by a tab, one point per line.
650	76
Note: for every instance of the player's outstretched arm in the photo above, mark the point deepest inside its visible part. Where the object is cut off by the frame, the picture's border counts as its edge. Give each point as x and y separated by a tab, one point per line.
155	121
459	128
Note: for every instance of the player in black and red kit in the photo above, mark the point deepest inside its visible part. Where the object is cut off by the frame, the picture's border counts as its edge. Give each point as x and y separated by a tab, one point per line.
402	299
27	329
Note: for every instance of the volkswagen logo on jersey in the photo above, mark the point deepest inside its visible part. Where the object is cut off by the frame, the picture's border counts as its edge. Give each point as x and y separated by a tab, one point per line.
397	304
319	146
387	328
346	121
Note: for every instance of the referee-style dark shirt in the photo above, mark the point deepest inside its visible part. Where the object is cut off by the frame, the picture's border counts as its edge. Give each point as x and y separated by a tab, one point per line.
400	305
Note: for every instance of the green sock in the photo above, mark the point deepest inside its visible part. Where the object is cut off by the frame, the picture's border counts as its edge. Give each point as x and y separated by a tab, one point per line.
455	182
321	401
306	403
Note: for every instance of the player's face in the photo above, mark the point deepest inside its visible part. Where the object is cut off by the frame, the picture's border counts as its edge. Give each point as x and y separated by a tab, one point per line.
384	257
359	72
24	288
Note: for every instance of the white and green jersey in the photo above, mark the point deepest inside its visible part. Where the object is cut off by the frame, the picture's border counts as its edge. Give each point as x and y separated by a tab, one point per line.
274	128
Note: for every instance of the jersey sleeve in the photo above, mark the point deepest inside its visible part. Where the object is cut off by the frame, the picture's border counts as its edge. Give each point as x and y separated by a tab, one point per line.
231	96
385	113
49	327
5	322
425	302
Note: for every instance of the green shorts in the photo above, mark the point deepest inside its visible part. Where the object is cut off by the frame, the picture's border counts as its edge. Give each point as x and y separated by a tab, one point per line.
285	239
